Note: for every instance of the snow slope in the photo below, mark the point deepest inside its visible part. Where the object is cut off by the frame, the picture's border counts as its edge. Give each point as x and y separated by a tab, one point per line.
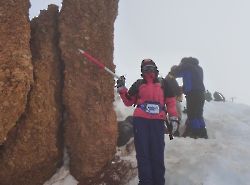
223	159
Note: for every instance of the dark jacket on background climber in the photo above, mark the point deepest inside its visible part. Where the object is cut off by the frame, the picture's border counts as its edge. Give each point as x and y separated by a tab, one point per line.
171	79
192	75
194	89
177	90
150	95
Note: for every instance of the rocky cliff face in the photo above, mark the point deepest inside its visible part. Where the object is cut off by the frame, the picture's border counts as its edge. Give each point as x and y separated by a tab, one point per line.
15	63
32	148
56	96
90	122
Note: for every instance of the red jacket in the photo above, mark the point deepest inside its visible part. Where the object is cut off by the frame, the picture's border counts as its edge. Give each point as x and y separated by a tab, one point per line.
149	90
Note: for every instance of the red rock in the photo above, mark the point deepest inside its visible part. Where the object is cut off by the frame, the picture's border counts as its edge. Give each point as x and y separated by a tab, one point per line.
91	126
33	151
15	59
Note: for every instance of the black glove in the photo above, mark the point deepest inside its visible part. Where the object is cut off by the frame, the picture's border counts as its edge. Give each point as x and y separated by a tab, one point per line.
120	82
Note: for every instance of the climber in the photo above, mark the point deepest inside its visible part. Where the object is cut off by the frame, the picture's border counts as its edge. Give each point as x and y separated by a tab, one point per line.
177	90
194	89
150	95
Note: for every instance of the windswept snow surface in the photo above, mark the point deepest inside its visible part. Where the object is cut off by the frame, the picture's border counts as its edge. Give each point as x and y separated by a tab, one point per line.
223	159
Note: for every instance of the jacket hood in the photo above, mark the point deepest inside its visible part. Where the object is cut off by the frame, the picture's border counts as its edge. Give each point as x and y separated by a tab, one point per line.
189	60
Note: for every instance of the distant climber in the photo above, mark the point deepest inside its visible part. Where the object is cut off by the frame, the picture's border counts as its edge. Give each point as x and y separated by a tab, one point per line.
178	92
208	96
218	97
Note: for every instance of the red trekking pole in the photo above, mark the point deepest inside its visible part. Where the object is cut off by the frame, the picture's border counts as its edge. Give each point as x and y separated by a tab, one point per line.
98	63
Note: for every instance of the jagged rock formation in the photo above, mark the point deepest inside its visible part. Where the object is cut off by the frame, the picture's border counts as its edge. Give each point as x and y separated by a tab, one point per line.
32	151
15	63
90	121
31	111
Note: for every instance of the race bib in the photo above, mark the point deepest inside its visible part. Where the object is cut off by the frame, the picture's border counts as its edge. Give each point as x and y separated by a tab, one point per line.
152	108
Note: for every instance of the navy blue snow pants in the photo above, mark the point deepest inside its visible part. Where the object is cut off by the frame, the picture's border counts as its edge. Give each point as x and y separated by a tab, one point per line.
149	146
195	104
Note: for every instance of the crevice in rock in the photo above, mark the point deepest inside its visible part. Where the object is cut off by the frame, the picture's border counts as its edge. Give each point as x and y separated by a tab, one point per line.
60	134
34	147
12	134
68	103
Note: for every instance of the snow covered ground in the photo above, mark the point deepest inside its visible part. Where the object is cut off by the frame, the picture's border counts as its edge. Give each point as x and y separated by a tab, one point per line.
223	159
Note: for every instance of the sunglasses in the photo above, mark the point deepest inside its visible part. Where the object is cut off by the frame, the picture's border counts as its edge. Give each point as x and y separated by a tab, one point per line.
148	68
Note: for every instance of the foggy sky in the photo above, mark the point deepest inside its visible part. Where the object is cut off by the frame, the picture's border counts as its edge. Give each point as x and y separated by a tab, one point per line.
215	32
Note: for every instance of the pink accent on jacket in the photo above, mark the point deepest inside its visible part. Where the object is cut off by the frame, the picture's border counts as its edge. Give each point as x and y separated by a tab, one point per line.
152	92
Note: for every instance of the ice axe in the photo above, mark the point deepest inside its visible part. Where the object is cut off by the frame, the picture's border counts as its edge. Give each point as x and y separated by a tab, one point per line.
98	63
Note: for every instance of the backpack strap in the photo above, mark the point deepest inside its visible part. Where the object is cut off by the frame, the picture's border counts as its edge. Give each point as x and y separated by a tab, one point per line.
162	81
134	89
